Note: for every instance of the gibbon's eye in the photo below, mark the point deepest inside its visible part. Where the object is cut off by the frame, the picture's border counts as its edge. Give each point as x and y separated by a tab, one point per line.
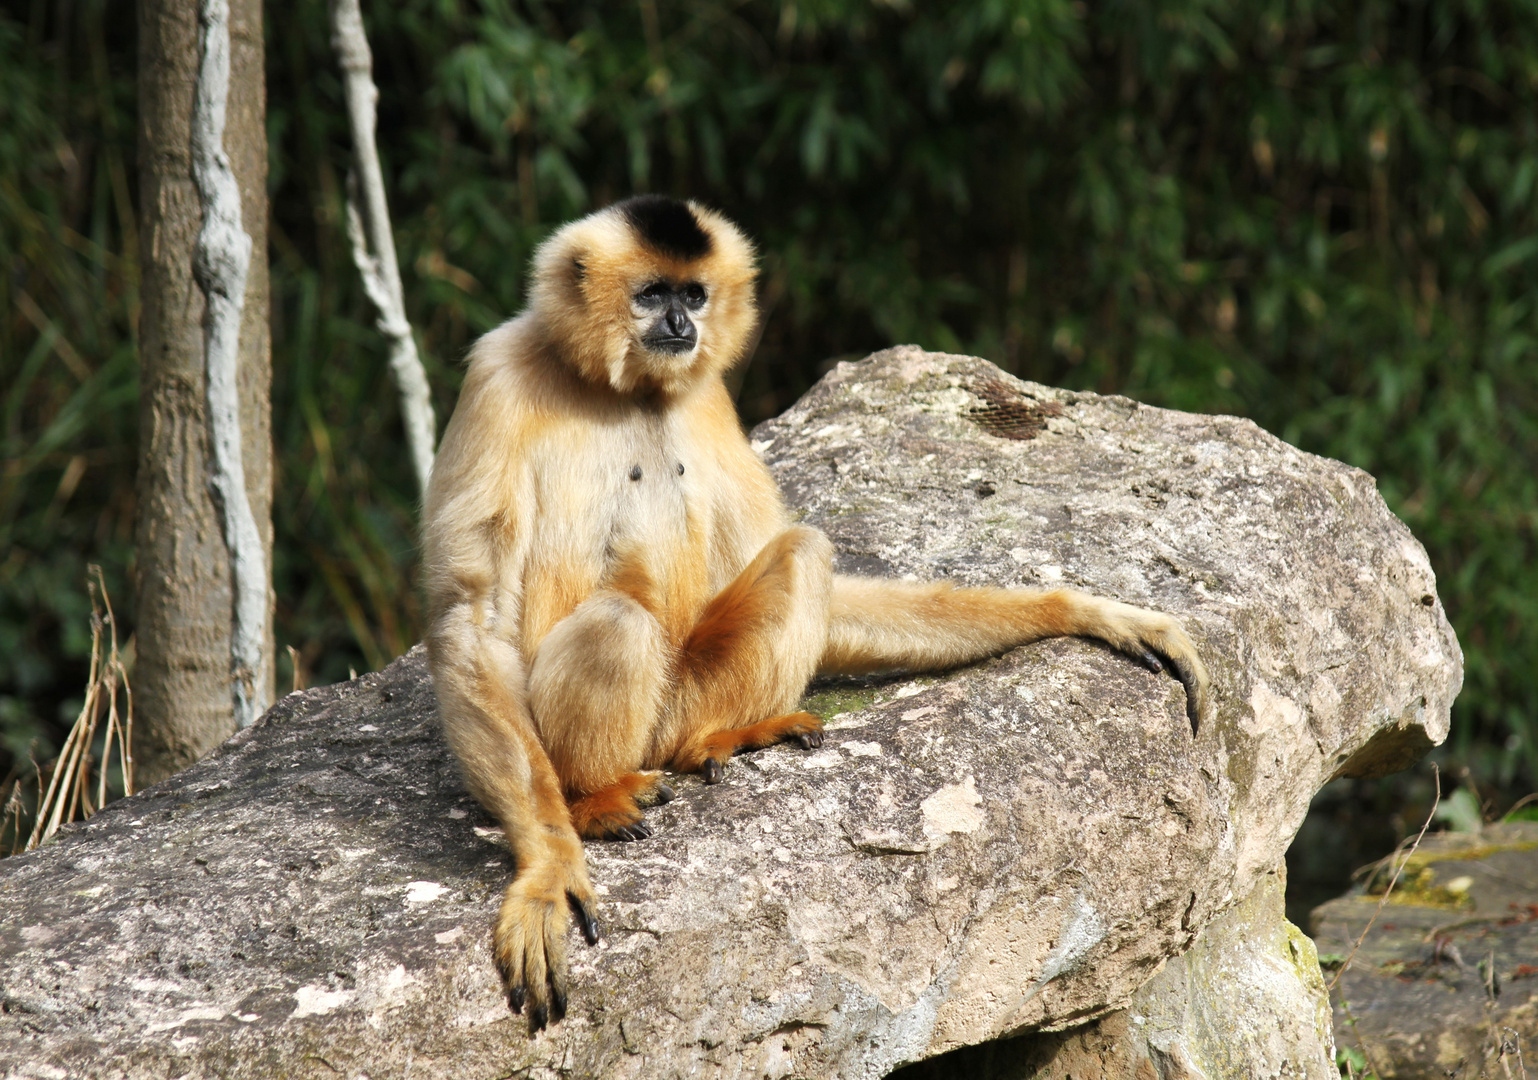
654	294
694	294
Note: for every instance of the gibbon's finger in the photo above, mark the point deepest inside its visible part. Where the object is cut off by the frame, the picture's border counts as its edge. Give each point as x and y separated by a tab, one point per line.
555	951
712	771
582	911
536	982
507	950
662	793
1184	672
1151	661
512	982
1196	692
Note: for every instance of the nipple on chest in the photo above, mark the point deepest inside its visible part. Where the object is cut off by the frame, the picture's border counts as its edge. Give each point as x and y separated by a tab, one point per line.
636	473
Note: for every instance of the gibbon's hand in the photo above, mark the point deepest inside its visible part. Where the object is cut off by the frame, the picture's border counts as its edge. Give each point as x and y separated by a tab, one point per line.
529	941
1160	644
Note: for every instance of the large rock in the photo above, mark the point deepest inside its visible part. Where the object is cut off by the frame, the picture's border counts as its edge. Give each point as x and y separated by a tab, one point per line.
1446	978
1018	845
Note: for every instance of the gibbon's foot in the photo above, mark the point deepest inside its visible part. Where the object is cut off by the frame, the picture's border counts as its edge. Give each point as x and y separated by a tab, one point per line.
708	755
614	812
528	942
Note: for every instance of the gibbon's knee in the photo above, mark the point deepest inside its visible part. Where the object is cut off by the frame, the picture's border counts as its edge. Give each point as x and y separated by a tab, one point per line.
596	690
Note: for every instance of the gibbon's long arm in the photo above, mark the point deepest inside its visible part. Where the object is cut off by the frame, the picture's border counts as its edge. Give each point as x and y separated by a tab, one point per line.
474	559
877	625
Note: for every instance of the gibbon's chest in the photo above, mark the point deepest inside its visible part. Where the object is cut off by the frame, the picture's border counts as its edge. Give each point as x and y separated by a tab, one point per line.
625	499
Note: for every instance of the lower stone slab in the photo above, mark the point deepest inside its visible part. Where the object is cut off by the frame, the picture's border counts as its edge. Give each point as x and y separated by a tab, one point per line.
1247	1002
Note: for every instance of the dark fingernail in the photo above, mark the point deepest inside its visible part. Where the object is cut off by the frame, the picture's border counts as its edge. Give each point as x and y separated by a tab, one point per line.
642	831
557	1004
539	1018
515	996
816	738
585	921
665	794
713	771
1152	662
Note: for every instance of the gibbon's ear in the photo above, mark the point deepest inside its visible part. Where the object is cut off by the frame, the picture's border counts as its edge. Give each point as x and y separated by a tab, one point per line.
587	275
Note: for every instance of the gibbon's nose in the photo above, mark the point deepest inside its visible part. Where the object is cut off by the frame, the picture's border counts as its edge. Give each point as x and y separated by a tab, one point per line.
679	324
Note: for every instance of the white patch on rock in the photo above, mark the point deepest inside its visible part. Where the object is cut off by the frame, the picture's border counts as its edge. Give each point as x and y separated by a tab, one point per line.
953	809
861	749
424	892
316	1000
1270	711
197	1012
1084	931
38	935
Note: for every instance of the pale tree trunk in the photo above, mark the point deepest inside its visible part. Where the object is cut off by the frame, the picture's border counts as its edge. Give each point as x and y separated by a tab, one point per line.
182	689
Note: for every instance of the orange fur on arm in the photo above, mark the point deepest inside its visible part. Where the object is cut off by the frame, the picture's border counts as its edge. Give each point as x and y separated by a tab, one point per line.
877	625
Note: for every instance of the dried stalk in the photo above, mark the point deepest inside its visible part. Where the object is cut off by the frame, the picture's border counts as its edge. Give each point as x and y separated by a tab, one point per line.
373	243
69	788
220	264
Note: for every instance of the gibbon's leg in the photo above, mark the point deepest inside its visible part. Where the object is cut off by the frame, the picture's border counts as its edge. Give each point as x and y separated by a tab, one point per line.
876	625
749	657
506	768
596	689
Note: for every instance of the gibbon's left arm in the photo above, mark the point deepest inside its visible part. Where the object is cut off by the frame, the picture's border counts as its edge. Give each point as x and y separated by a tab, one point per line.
876	625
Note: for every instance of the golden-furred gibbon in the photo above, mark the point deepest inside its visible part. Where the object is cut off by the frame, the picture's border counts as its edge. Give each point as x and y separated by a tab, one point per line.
615	587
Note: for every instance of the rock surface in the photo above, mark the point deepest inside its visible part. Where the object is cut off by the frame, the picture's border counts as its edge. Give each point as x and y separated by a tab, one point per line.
1246	1001
1447	978
1017	845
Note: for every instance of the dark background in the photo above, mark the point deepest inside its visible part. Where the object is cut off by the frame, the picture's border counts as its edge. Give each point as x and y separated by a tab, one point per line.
1323	216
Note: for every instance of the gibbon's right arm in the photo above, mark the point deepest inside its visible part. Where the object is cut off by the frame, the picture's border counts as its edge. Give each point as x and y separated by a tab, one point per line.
475	543
876	625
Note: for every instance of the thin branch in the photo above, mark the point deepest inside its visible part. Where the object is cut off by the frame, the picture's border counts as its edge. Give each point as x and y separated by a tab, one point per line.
220	265
373	244
1436	775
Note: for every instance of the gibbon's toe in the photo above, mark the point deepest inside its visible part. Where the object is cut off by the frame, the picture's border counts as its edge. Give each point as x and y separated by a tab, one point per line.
712	771
635	830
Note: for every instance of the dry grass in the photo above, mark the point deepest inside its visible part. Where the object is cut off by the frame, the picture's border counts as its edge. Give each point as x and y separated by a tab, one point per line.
77	784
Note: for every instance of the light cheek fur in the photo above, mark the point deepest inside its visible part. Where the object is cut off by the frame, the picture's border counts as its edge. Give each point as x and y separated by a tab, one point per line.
596	614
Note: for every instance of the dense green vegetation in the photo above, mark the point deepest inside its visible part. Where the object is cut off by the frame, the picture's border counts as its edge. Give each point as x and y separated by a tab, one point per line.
1322	215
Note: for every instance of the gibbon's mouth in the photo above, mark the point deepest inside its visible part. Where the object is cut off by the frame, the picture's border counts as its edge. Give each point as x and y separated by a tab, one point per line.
671	346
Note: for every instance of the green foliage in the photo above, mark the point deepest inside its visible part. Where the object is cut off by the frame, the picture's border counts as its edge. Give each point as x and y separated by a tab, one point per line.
68	375
1317	214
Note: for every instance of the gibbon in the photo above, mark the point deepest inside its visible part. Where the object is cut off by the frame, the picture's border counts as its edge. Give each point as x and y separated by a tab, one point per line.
615	587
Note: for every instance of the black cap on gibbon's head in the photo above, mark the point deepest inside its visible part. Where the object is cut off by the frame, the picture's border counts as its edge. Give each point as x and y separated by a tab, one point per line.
667	225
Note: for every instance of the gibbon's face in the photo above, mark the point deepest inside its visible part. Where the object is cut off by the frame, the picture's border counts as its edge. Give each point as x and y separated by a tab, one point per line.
665	314
651	293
